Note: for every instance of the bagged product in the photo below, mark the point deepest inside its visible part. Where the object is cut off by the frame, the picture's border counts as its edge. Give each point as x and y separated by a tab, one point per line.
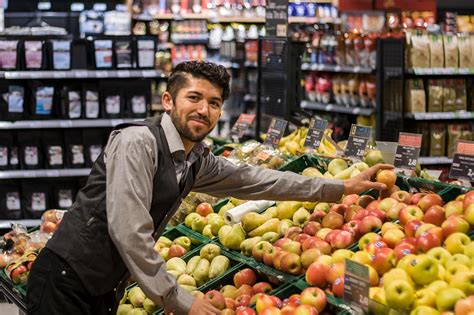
61	54
449	96
464	44
435	96
33	54
451	52
350	57
123	54
461	95
53	146
71	102
457	132
419	52
145	53
14	159
359	50
436	51
91	102
74	148
31	156
345	92
371	91
42	101
112	104
354	91
437	140
370	44
8	54
35	195
10	200
94	142
416	100
6	143
63	194
336	90
103	54
138	102
15	102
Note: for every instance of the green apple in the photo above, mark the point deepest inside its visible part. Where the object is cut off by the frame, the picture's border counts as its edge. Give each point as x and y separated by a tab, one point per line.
425	297
464	281
453	269
441	272
423	269
405	261
459	259
447	298
456	242
396	274
399	294
440	254
469	250
437	286
424	310
341	254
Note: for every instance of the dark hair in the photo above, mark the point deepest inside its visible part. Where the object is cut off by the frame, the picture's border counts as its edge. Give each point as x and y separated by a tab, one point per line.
215	74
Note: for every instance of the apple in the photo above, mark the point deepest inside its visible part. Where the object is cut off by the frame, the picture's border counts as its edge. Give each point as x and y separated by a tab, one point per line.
468	199
387	177
204	209
394	212
331	235
427	241
292	232
383	260
351	212
410	213
469	250
311	228
316	242
361	214
216	299
453	269
399	294
425	297
279	243
342	240
456	242
446	299
244	310
317	216
260	248
373	205
353	227
227	311
301	237
324	259
453	207
314	297
379	214
437	231
416	198
364	201
424	310
464	306
339	208
270	310
464	281
423	269
393	237
362	257
335	270
305	310
423	228
402	250
164	253
19	275
435	215
183	241
440	254
291	263
396	274
292	247
341	254
408	240
374	278
338	286
316	275
402	196
390	226
288	309
269	255
229	291
374	247
48	227
245	276
242	300
454	224
368	238
333	220
459	259
437	285
277	258
370	224
469	214
309	256
411	227
428	201
323	233
176	251
244	289
261	287
264	301
350	199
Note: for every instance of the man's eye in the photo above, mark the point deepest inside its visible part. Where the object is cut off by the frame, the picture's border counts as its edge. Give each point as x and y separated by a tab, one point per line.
215	105
193	98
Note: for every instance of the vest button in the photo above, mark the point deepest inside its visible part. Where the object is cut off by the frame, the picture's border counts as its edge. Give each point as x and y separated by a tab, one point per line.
63	272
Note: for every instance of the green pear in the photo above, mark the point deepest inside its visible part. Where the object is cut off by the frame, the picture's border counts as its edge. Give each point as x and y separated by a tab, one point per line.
328	175
209	251
354	173
164	241
309	205
124	309
323	206
192	264
176	264
174	273
189	288
136	296
201	272
361	166
225	208
345	174
336	166
184	241
233	237
185	279
216	222
150	306
373	157
236	202
137	311
271	237
219	266
207	231
284	225
247	245
224	230
188	221
286	209
269	226
198	224
271	212
311	172
301	216
252	220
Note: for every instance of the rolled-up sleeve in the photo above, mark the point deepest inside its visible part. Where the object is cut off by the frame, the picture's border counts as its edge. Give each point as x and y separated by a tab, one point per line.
130	161
222	178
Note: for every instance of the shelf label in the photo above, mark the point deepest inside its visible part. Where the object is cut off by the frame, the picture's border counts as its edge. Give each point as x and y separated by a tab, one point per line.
44	5
275	132
408	150
123	74
77	7
102	74
100	7
315	133
463	161
240	126
356	286
276	22
81	74
357	141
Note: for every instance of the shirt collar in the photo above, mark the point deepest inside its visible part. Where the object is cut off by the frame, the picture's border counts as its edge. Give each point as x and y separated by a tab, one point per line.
175	143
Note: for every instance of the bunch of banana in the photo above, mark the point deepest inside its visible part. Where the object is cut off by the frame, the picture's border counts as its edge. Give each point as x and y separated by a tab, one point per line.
327	147
293	143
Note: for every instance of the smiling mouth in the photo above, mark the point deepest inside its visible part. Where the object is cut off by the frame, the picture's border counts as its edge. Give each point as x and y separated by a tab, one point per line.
200	121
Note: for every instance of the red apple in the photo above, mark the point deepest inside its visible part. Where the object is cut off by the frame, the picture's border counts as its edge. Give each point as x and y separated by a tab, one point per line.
309	256
350	199
386	204
245	311
245	276
291	263
311	228
427	241
261	287
244	289
316	275
370	224
302	237
314	297
293	232
468	199
430	200
270	310
351	212
230	303
339	208
288	309
333	220
408	240
331	235
277	259
269	255
204	209
259	249
334	270
373	205
305	310
373	247
394	212
292	247
317	216
353	227
279	243
393	237
342	240
402	196
453	207
361	214
295	299
338	286
454	223
403	249
379	214
416	198
411	227
176	251
264	301
316	242
242	300
48	227
435	215
216	299
364	201
410	213
227	311
384	260
437	231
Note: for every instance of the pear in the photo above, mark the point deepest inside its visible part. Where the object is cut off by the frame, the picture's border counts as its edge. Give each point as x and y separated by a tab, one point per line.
174	273
188	221
373	157
355	173
219	266
207	231
216	222
271	237
192	264
328	175
271	212
286	209
252	220
149	306
336	166
137	311
201	272
176	264
164	241
198	224
225	208
269	226
323	206
185	279
247	245
236	202
301	216
311	172
124	309
124	298
209	251
189	288
309	205
136	296
284	225
361	166
231	238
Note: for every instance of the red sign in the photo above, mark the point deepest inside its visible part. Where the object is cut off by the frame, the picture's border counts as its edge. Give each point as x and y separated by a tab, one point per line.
465	147
410	140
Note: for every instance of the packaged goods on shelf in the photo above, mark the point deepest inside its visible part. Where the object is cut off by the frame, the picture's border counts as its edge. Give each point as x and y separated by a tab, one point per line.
438	140
415	96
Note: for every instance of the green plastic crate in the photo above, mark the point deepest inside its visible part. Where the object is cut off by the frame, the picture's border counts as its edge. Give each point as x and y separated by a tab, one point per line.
179	230
299	164
219	141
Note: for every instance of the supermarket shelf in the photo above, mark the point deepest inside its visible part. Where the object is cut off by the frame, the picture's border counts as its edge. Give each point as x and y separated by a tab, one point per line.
236	19
333	108
67	123
81	74
210	18
335	68
310	1
441	71
311	20
6	224
440	115
195	40
73	172
433	160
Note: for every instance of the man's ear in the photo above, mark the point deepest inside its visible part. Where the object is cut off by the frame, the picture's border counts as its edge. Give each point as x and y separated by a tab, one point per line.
167	101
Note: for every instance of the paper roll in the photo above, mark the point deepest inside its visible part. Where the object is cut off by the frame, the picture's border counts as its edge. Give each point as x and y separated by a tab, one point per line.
234	215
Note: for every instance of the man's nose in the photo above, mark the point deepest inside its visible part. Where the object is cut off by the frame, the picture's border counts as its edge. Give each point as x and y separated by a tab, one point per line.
203	108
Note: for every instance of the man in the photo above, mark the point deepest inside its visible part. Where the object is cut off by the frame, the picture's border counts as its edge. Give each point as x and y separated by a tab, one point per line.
134	188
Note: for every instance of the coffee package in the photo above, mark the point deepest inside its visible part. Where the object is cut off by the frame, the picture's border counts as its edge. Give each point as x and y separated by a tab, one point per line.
94	142
419	52
31	155
449	96
464	43
438	140
451	51
74	148
416	98
91	106
53	149
435	96
10	200
436	51
63	194
71	102
461	94
36	195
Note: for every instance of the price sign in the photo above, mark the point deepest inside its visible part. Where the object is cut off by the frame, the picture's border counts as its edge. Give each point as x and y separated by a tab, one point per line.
315	133
241	125
357	142
275	132
463	161
356	286
276	22
408	150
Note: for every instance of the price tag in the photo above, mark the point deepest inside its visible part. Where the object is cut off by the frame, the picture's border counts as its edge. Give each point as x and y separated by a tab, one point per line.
102	74
356	286
408	150
463	161
315	133
44	5
357	142
81	74
123	74
241	125
77	7
99	7
275	132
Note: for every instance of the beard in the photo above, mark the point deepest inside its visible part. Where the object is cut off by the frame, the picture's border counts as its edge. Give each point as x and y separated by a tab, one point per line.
183	128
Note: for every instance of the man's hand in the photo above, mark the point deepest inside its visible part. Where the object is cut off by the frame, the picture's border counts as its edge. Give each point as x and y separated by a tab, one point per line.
200	306
363	181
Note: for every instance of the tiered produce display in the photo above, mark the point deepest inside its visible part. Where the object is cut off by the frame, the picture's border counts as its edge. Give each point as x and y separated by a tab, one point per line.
414	238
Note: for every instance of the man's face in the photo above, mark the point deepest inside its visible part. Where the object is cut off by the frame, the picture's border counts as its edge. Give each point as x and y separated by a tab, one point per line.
196	109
